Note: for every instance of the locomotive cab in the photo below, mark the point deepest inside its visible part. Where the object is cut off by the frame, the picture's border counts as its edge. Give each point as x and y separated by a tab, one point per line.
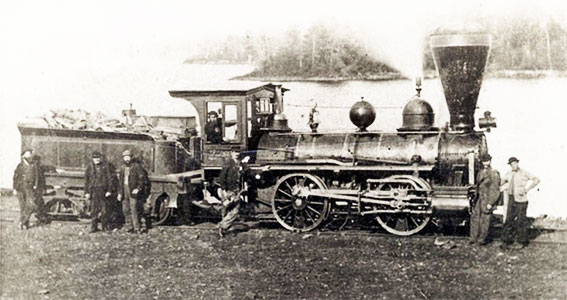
233	120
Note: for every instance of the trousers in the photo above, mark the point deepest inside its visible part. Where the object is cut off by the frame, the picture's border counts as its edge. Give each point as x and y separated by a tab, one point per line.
133	209
100	211
480	225
31	201
230	213
516	225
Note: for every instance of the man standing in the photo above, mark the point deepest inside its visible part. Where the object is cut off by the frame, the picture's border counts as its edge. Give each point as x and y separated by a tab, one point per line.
134	189
487	191
231	182
98	189
28	184
515	228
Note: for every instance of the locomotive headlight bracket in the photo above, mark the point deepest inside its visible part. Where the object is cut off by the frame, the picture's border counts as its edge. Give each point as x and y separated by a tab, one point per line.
487	122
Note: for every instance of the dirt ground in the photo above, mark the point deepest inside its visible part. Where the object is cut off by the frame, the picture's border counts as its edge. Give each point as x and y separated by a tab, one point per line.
62	261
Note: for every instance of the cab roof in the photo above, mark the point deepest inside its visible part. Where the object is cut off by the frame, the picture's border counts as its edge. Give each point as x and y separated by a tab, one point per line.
223	92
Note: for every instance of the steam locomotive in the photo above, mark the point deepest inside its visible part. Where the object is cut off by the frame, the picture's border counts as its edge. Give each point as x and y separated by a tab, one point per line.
400	178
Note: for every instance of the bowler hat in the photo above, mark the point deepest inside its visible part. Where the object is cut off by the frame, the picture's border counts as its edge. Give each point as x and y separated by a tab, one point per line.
27	150
512	159
213	113
126	153
485	157
97	154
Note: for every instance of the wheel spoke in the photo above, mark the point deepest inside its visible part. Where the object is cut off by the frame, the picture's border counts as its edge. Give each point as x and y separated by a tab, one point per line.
285	193
313	210
300	219
413	221
289	186
283	200
289	213
309	216
293	218
284	207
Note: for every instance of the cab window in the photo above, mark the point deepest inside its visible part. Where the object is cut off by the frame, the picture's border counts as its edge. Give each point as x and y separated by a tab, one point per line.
222	123
231	132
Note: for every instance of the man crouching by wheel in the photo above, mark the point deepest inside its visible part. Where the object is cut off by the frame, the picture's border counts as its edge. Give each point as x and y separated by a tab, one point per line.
231	180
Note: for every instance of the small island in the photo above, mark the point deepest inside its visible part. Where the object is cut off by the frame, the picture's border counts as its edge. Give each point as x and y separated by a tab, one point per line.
522	48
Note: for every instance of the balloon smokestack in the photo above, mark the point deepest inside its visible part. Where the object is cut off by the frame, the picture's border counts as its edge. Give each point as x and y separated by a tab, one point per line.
460	60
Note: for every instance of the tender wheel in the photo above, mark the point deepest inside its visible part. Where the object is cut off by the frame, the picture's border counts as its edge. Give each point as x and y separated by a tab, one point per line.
294	208
409	219
62	208
161	211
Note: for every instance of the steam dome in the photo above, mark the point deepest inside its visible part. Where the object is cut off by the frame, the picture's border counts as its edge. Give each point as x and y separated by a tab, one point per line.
417	115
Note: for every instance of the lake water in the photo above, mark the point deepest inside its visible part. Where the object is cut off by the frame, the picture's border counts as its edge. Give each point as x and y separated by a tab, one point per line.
531	114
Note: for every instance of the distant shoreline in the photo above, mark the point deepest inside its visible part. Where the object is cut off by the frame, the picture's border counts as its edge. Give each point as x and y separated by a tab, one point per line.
506	74
375	77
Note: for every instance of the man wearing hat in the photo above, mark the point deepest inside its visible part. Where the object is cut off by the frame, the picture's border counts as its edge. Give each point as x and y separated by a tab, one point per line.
98	189
516	227
28	184
487	191
134	188
213	128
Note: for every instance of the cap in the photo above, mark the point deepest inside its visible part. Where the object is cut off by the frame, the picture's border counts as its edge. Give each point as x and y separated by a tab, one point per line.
213	113
512	159
126	153
485	157
97	154
27	150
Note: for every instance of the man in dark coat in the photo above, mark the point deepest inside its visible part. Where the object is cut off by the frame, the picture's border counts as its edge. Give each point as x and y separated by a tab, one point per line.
28	184
213	128
231	180
134	189
98	189
488	191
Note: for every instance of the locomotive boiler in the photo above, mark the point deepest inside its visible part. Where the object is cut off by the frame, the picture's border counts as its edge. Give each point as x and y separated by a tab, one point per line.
400	178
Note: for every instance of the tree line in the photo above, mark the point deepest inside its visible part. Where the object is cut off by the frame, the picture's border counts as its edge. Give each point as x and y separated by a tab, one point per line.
321	51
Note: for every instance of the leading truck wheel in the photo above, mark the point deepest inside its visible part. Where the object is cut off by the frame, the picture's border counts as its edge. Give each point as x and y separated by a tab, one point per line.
410	209
292	205
161	211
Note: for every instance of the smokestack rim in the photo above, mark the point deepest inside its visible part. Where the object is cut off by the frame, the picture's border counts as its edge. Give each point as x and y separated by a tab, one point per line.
460	39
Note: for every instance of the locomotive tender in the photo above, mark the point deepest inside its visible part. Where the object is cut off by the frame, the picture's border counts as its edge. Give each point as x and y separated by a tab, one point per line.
65	154
401	178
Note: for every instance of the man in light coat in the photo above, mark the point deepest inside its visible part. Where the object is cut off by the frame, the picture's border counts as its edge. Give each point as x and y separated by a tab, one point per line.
29	182
514	232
